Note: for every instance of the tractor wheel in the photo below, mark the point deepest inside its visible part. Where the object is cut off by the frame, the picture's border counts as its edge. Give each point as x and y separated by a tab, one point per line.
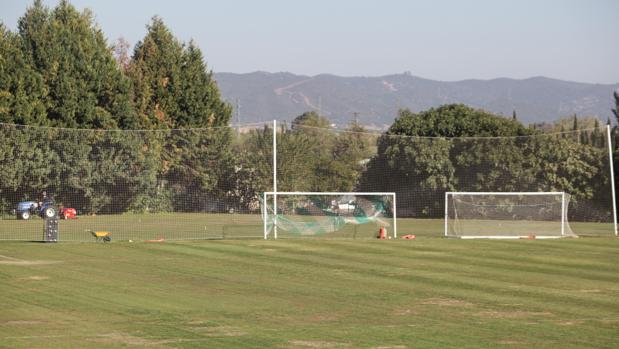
49	212
24	215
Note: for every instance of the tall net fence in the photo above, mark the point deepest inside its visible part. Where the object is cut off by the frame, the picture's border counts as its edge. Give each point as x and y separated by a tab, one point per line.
142	185
420	170
208	183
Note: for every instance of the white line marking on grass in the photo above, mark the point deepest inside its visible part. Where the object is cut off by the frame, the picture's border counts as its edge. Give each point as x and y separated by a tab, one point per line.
101	336
10	258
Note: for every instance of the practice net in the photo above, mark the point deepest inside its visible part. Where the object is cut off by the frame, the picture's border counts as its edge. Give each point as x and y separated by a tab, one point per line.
208	183
155	185
420	170
507	215
335	214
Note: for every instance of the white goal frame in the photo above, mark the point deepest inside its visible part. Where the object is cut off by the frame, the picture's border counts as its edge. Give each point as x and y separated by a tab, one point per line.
563	214
276	193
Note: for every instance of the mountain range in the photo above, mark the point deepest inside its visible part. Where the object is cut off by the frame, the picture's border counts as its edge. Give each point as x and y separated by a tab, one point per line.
375	101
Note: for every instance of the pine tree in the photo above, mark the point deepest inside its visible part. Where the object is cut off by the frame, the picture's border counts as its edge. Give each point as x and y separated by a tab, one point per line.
21	88
199	100
155	72
615	110
174	90
85	87
575	123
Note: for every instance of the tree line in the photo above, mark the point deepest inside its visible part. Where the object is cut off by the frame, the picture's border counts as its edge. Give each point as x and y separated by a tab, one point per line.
107	131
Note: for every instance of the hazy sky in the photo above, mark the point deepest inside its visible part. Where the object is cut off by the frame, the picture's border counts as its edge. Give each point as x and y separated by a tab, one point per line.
437	39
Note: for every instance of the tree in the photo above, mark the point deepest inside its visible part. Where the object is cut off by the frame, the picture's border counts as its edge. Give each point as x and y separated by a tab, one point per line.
199	100
615	110
455	120
173	90
155	72
492	156
351	149
22	90
85	88
314	167
575	123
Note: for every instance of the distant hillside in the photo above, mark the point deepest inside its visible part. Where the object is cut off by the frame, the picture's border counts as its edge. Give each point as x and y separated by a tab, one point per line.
283	96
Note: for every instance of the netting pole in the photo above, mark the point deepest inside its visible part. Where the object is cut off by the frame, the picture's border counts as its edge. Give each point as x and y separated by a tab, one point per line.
395	219
275	179
264	214
612	176
446	199
563	214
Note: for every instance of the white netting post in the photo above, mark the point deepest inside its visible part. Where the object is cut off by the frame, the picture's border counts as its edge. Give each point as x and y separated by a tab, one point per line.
612	176
275	179
563	214
264	214
395	219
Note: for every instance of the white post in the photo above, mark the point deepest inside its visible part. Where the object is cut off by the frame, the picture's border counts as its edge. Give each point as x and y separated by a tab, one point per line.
275	179
264	214
612	176
395	219
446	199
563	214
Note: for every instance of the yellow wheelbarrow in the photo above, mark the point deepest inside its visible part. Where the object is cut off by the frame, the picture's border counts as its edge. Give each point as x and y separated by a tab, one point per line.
104	236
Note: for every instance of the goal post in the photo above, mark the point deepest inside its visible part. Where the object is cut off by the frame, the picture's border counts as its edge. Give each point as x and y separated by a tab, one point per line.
328	214
507	215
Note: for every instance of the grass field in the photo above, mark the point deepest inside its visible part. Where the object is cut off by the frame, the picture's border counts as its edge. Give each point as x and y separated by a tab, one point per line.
308	293
183	226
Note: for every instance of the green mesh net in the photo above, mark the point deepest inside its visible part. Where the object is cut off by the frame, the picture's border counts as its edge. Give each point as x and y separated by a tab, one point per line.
357	215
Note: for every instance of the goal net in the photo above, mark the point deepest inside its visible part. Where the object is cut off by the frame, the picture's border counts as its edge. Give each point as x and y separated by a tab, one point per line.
329	214
507	215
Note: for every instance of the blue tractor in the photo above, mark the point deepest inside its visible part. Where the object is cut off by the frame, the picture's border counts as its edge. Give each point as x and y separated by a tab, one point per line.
44	209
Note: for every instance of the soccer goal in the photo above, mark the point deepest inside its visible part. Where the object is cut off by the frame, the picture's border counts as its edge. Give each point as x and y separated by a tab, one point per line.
329	214
505	215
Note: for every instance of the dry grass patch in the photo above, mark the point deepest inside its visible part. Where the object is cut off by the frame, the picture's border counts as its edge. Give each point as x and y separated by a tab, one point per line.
36	278
317	344
324	317
124	339
27	263
21	322
509	342
570	322
590	291
220	331
446	302
404	312
511	314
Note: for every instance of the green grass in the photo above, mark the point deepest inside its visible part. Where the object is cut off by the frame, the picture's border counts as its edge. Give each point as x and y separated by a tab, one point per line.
311	293
141	227
184	226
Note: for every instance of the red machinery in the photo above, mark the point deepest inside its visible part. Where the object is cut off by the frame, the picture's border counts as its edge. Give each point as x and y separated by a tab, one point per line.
68	213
